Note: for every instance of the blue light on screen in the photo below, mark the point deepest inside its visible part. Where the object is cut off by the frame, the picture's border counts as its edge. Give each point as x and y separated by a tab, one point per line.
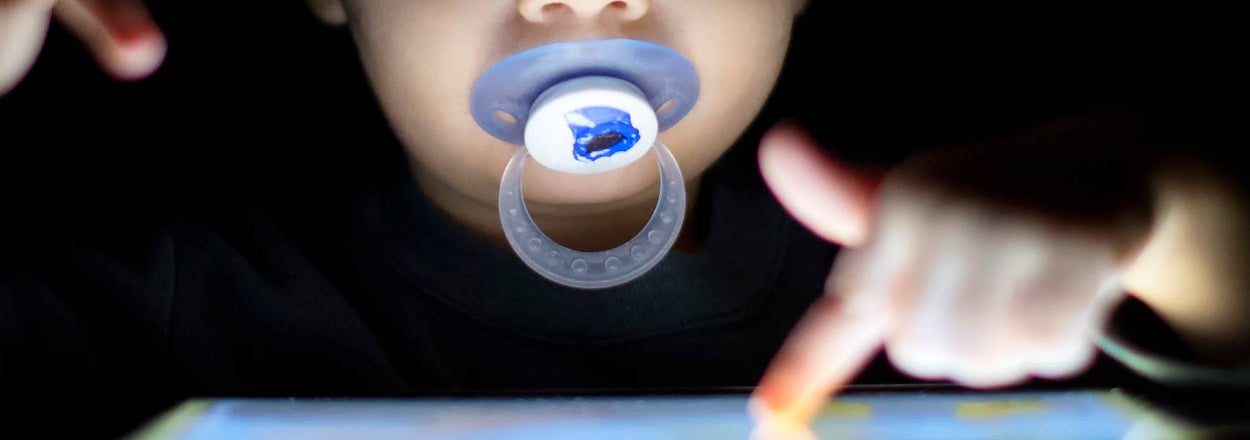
885	415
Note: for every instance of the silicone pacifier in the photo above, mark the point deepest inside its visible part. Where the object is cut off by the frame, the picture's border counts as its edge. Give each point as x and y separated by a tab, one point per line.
588	107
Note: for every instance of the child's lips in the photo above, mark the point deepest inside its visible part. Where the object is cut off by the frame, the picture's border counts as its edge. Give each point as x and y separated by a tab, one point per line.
501	98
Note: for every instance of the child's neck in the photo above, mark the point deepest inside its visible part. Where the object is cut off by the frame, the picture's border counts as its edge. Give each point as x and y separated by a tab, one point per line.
585	228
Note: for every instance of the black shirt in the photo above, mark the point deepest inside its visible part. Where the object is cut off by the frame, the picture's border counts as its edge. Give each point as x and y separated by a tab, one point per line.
380	294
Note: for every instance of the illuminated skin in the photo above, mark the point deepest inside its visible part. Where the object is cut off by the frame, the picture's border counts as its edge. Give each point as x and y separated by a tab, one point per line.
959	262
989	287
120	34
459	166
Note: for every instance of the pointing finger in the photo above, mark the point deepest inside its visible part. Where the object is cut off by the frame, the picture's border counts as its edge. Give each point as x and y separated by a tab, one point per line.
120	34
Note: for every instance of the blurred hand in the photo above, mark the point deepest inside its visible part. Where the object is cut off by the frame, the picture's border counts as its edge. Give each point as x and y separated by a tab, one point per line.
983	264
120	35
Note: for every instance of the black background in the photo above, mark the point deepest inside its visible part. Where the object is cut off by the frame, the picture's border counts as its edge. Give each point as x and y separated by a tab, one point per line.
260	105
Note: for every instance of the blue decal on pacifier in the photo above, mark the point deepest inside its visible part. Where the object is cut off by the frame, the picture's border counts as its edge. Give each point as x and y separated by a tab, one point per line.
601	132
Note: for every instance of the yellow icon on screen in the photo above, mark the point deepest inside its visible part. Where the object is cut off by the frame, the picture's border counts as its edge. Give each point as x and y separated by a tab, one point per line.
987	410
846	409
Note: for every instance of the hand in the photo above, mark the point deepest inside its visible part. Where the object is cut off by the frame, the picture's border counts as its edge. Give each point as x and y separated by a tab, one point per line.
120	35
982	264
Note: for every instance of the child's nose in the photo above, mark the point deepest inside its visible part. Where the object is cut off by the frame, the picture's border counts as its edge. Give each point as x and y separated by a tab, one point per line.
541	11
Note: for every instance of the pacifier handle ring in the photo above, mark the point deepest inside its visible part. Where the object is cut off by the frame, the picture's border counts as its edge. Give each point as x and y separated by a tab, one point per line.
593	270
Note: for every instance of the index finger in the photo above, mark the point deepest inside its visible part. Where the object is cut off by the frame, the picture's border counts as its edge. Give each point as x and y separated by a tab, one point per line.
845	327
120	33
824	352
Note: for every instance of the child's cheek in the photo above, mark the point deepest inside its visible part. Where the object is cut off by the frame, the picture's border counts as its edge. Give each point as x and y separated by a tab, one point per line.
737	71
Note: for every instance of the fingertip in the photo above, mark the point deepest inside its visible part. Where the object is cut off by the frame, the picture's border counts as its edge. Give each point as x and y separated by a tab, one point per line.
786	132
1003	370
824	352
776	392
122	37
769	423
136	58
917	363
758	409
989	371
785	393
775	148
991	380
781	430
1064	363
785	145
826	197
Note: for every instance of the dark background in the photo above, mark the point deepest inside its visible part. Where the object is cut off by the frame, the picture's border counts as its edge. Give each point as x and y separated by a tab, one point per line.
261	104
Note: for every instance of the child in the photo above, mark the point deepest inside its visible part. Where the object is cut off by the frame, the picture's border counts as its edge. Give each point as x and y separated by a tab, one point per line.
411	289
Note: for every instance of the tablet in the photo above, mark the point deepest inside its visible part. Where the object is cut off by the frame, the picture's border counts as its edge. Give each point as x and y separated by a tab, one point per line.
862	414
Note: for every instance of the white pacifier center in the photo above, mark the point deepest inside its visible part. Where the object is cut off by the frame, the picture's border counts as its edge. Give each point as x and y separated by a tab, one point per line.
550	132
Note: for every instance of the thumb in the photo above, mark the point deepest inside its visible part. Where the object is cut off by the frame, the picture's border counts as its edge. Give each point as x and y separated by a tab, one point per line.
829	197
23	25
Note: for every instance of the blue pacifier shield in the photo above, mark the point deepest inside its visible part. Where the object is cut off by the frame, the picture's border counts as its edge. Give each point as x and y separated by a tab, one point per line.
502	97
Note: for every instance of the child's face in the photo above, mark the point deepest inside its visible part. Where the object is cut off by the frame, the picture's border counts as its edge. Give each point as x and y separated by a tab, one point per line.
423	56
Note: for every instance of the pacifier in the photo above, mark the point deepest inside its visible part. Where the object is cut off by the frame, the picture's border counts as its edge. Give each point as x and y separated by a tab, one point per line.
588	107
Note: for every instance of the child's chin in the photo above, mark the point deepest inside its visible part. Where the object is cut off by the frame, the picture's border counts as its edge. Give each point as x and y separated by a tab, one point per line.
633	184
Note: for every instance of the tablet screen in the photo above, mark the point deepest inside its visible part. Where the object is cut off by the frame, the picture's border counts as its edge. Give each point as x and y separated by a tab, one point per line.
1044	414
